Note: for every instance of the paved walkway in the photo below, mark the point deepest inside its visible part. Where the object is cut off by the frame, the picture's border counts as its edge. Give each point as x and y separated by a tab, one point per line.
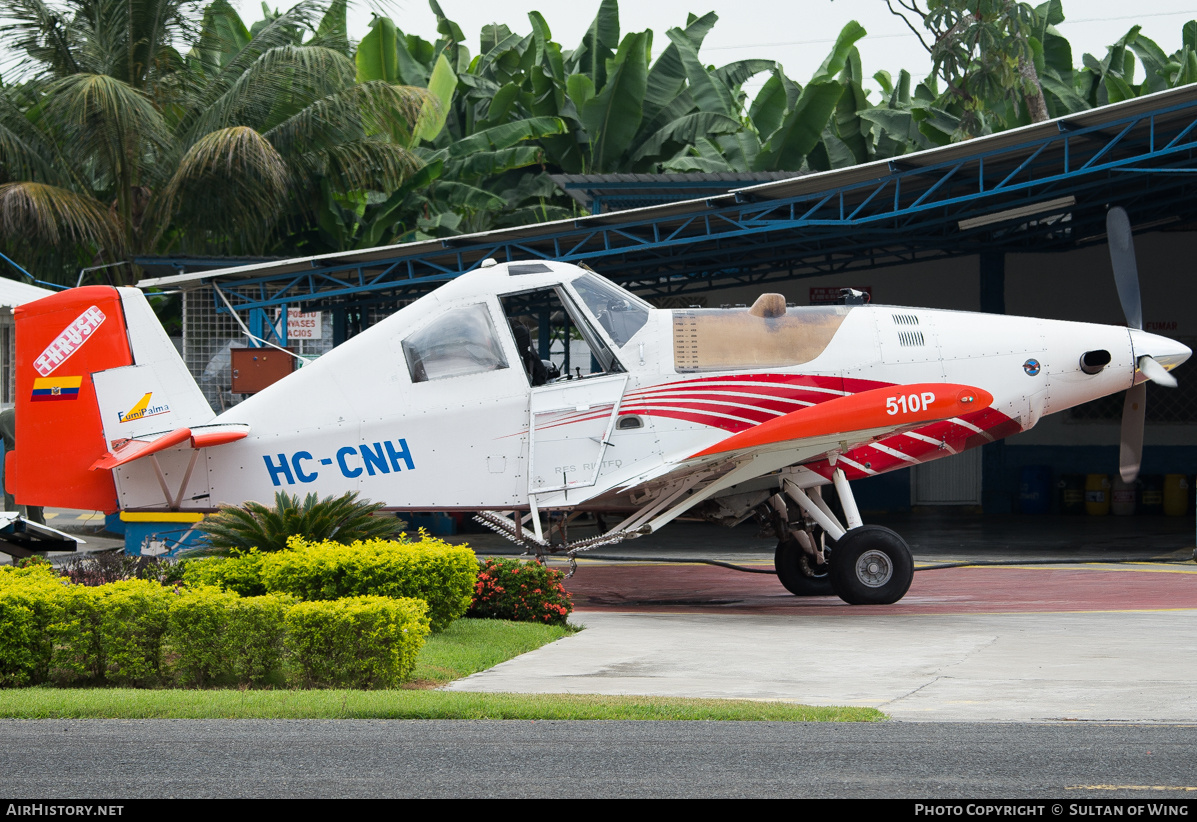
1079	641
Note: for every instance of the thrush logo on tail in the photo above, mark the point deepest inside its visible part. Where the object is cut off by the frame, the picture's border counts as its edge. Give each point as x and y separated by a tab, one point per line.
68	342
142	409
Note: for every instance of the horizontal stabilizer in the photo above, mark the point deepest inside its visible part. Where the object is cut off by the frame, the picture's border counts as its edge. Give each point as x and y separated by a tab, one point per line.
199	437
890	408
22	538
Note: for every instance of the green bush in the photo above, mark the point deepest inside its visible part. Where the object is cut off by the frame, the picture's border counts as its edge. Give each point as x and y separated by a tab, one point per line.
199	634
31	603
217	637
241	573
257	629
23	656
357	642
432	570
119	633
133	619
78	641
520	591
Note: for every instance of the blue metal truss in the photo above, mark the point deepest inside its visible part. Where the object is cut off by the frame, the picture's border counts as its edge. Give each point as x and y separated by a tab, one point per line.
913	208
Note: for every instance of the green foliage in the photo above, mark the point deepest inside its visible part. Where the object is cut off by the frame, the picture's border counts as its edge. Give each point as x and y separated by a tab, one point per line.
520	591
358	642
79	655
24	655
241	574
218	637
138	633
32	601
199	634
140	129
342	519
133	619
282	137
432	570
256	635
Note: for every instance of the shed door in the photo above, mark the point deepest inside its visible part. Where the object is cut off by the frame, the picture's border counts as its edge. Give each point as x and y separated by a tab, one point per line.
954	480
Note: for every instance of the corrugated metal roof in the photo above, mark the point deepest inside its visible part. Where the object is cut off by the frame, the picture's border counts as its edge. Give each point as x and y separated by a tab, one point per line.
15	292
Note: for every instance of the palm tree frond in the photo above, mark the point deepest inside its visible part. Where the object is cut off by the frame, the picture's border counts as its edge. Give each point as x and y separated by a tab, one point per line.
41	213
242	178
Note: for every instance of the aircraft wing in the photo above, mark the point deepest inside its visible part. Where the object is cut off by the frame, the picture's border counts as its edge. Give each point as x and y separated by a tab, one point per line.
887	410
833	426
205	436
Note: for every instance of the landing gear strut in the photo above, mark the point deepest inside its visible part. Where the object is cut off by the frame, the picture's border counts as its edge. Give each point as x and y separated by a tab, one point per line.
801	567
866	564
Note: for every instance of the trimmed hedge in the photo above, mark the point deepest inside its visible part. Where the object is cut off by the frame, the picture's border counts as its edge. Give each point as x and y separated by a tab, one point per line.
133	618
241	574
441	574
357	642
138	633
219	637
58	631
47	623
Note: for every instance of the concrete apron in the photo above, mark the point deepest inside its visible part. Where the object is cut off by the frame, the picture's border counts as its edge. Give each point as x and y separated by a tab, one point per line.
1106	646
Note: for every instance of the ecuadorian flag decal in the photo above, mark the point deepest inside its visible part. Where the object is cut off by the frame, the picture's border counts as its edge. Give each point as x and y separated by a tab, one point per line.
56	389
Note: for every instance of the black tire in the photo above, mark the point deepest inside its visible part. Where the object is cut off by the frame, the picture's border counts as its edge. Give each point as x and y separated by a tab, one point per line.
871	565
798	573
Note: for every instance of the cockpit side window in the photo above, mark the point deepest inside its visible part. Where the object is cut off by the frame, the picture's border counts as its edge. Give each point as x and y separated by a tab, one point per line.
620	314
461	341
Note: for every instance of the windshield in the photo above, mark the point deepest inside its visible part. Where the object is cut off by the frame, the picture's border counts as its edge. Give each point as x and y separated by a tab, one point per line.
620	314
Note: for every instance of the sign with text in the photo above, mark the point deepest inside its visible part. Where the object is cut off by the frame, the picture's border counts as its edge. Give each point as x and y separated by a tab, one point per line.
303	325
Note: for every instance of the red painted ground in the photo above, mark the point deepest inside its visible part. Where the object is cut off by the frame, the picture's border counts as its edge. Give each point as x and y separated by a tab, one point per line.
705	588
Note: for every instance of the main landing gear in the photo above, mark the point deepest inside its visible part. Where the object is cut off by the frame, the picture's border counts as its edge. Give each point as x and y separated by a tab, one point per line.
863	565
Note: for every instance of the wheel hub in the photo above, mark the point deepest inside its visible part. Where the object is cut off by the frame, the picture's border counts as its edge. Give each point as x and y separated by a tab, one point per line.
874	568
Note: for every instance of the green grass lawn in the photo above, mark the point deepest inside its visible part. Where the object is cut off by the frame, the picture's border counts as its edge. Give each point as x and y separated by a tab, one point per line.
467	646
127	703
471	645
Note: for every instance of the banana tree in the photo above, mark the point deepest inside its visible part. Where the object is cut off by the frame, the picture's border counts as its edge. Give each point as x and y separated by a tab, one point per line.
786	122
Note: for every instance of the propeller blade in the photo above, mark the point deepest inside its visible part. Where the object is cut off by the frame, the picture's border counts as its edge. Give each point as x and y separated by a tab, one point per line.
1122	258
1155	372
1130	452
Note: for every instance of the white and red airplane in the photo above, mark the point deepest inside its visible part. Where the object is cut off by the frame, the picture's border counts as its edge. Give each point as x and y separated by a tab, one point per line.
447	405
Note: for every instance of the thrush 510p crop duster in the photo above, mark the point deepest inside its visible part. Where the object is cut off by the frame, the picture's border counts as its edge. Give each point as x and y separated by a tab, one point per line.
642	413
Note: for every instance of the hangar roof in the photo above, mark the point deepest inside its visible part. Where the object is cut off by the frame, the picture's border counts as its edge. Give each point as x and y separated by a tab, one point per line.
1042	186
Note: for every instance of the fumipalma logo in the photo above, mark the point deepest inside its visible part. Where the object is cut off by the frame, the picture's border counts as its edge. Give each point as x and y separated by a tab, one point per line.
143	409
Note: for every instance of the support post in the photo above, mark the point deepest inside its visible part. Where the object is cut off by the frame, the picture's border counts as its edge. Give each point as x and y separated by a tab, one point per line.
340	325
826	522
993	282
257	327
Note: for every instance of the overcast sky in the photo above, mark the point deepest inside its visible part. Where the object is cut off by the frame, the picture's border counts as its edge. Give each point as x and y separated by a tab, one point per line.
798	33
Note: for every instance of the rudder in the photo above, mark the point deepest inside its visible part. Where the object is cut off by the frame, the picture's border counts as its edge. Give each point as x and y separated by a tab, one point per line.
94	367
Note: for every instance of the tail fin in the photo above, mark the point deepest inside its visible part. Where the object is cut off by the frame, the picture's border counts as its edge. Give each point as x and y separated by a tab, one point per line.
94	367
